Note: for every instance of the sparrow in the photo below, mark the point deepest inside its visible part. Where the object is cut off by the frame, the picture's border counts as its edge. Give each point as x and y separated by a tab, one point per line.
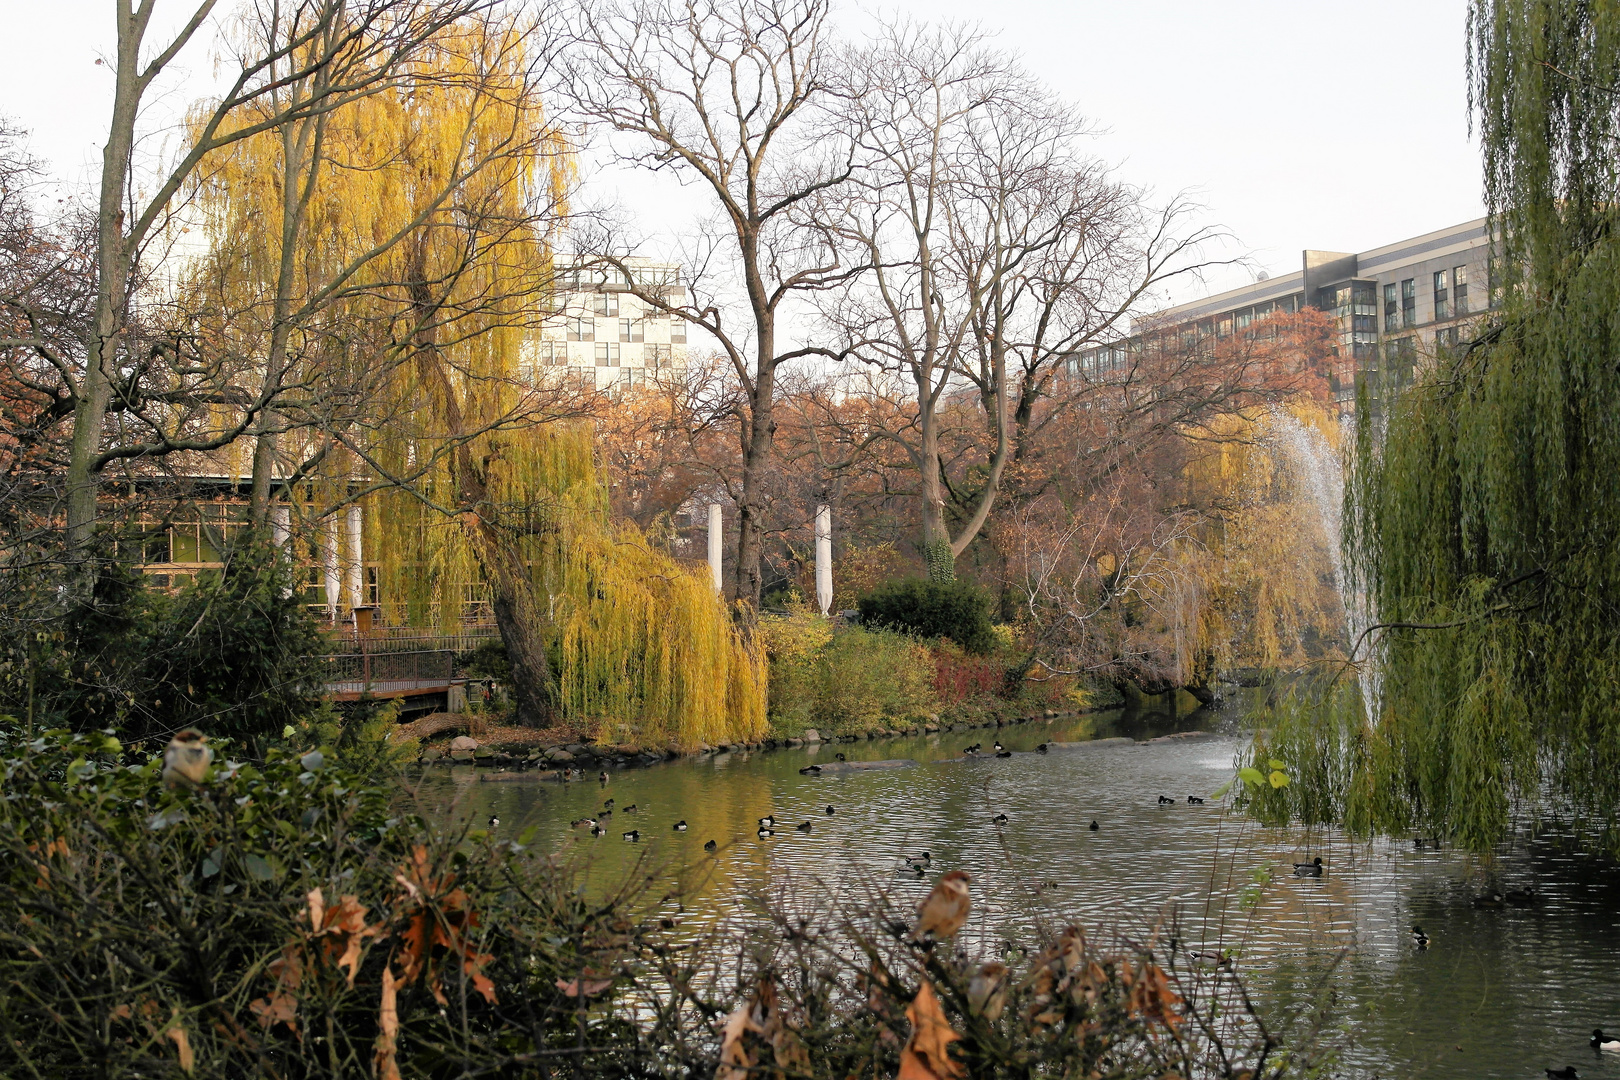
987	991
186	759
945	910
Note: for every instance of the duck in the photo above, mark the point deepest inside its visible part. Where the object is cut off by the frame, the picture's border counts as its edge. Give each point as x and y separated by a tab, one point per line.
1419	938
1003	753
1000	819
1094	826
998	746
1488	900
831	811
597	830
602	778
1566	1073
630	809
1041	749
633	835
1309	869
1165	800
768	821
974	749
710	845
839	757
494	821
803	826
1193	800
680	826
1601	1041
764	832
1521	897
921	861
810	770
610	804
604	815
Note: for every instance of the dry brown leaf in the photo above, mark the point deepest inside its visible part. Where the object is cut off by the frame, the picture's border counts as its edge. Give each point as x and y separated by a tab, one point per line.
317	909
182	1045
924	1057
1153	997
388	1028
735	1060
583	987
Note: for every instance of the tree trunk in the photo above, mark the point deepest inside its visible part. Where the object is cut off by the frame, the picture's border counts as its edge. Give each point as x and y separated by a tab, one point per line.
112	277
936	536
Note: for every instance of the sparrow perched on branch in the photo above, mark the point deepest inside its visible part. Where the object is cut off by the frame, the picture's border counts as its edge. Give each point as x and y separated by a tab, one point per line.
186	759
944	910
987	991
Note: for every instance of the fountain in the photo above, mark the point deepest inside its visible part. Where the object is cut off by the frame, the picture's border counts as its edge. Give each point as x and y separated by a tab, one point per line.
1319	466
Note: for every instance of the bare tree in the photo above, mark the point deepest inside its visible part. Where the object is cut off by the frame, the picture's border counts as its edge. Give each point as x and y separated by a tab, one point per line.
994	250
735	95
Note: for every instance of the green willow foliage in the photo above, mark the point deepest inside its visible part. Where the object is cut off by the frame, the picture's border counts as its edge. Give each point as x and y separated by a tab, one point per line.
1482	519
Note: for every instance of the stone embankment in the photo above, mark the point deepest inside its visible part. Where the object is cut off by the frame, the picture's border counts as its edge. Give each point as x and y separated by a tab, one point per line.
582	760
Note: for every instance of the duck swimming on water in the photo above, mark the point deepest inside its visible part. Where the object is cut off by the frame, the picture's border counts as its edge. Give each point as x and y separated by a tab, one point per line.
803	826
1094	826
710	846
1000	819
839	757
1041	749
1193	800
1165	800
680	826
810	770
1601	1041
633	835
1566	1073
1488	900
1309	869
1419	938
830	810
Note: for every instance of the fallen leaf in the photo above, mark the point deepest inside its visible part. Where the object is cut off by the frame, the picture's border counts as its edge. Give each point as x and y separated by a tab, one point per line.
924	1057
317	909
182	1044
735	1060
583	987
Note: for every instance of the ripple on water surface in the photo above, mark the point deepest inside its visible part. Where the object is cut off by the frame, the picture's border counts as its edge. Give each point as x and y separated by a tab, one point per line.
1518	989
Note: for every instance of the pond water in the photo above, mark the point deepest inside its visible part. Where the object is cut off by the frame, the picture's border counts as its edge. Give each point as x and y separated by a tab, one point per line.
1499	993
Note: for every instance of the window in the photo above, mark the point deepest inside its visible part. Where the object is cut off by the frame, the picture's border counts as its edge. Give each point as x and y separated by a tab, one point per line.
1409	302
607	354
632	377
1392	309
677	331
1363	324
1440	305
632	330
658	356
581	329
607	304
1459	290
1445	339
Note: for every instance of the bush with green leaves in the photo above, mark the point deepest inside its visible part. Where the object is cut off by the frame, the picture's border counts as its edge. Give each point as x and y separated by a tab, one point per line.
232	653
958	610
844	683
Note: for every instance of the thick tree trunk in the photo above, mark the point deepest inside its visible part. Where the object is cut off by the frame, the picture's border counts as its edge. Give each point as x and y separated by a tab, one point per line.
935	544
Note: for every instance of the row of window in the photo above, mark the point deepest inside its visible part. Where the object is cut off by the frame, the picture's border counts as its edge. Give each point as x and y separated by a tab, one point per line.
583	328
1450	299
606	354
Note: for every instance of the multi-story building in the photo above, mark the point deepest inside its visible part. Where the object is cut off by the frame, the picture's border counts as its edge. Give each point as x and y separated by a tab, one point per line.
1393	304
605	337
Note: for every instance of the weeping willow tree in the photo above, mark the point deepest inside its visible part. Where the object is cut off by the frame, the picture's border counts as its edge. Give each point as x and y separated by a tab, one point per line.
424	217
1484	515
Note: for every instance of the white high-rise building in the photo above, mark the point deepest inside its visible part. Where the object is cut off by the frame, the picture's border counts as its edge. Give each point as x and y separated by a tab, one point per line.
605	337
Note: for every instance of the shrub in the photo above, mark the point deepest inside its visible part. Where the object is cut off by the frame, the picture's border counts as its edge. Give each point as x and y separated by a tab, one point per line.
843	683
958	610
233	652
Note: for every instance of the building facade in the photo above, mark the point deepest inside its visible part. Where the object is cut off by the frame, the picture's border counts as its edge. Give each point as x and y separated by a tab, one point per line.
605	337
1393	305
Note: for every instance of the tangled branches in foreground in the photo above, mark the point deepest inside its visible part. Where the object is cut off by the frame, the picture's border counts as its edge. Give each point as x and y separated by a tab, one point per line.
286	920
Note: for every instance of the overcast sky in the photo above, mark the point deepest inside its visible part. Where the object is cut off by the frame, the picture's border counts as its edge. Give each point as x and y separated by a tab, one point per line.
1295	125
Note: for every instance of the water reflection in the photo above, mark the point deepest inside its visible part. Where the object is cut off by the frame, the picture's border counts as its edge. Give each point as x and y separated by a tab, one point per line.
1517	989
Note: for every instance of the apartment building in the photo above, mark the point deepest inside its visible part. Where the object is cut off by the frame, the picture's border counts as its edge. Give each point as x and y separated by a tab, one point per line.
605	337
1393	305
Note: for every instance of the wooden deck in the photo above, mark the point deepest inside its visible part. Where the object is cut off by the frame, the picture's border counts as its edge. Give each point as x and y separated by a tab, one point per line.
355	689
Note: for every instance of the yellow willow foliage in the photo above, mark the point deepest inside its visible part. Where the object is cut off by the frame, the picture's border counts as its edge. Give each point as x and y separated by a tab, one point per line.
645	649
1267	593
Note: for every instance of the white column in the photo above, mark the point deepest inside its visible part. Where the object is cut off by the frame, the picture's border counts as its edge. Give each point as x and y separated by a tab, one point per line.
824	558
715	545
357	572
329	564
281	524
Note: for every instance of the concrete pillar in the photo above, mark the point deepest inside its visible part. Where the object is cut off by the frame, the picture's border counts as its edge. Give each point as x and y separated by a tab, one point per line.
329	566
715	539
824	590
357	570
281	524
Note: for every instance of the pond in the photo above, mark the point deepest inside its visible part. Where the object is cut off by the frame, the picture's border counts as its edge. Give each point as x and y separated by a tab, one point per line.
1502	992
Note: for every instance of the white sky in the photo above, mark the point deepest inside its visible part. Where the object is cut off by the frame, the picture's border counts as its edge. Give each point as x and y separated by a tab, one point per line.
1294	124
